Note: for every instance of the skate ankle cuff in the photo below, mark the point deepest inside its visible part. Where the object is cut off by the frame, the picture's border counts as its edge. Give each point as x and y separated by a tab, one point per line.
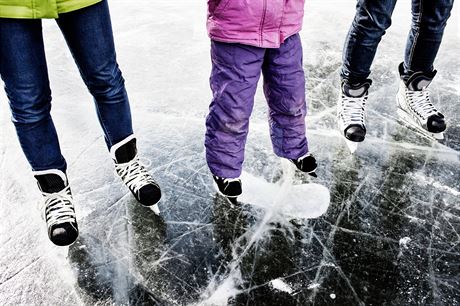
125	150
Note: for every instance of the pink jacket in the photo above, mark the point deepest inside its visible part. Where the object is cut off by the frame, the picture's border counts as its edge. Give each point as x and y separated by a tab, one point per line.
260	23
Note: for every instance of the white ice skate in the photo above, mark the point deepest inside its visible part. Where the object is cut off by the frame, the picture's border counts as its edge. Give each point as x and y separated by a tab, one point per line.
351	112
134	174
57	206
416	109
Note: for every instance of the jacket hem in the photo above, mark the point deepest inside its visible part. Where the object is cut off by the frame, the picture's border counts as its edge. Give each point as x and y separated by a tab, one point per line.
255	42
44	11
67	8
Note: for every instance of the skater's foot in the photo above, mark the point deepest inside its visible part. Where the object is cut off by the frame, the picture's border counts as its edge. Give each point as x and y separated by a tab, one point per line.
351	110
57	207
414	99
228	187
133	173
307	164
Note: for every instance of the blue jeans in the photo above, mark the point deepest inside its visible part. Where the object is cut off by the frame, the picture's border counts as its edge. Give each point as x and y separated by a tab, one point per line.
373	17
23	68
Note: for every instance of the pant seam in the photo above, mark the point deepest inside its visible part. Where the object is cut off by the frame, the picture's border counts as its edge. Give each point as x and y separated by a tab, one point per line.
416	36
103	125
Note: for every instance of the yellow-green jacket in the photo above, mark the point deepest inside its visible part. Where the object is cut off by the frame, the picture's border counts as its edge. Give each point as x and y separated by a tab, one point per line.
36	9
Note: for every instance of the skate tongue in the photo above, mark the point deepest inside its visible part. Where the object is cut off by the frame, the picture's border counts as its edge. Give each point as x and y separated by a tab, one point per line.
418	81
50	183
356	90
126	152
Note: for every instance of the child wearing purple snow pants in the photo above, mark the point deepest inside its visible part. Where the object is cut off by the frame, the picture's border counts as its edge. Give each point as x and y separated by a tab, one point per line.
249	38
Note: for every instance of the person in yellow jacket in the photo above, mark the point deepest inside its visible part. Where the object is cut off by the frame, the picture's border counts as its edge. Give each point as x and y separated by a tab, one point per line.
87	29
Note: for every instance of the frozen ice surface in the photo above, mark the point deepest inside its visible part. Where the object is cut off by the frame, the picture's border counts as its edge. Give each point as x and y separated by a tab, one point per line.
390	235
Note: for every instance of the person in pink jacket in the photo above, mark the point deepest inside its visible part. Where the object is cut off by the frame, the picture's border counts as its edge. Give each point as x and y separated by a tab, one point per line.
250	37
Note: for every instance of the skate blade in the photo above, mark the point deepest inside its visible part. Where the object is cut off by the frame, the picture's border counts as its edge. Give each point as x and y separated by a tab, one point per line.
232	200
155	209
352	146
409	122
438	136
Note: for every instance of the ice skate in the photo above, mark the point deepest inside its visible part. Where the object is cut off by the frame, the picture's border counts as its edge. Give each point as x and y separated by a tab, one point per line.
57	207
415	108
351	112
306	163
228	187
134	175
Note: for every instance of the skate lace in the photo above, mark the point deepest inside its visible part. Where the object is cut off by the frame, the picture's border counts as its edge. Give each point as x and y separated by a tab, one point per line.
352	111
134	174
58	207
420	103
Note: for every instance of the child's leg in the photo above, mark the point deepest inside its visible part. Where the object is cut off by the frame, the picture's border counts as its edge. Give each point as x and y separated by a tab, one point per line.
235	72
88	33
369	25
428	24
284	87
24	72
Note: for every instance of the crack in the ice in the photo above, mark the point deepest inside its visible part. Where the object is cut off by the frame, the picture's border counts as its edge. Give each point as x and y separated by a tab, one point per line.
20	271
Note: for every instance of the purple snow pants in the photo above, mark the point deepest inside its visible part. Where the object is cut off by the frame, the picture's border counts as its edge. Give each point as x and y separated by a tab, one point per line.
236	70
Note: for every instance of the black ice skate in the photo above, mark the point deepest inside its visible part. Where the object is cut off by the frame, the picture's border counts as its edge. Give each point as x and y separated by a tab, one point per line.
134	175
57	207
228	187
415	107
351	112
307	164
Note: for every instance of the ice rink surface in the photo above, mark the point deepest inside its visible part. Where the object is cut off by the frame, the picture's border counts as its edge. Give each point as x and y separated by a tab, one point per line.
391	233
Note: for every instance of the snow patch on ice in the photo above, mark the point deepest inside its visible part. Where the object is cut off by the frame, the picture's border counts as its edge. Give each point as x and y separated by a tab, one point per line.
429	181
279	284
404	241
302	201
219	294
313	286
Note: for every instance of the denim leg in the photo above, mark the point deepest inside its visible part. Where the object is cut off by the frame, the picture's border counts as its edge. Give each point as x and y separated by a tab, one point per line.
235	73
284	87
88	33
429	19
371	21
24	72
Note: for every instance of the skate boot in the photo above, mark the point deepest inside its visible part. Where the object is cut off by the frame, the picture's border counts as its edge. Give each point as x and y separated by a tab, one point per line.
351	112
57	207
415	107
306	163
134	175
228	187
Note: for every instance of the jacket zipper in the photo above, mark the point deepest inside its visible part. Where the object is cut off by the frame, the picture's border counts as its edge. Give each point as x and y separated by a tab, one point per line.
281	22
262	22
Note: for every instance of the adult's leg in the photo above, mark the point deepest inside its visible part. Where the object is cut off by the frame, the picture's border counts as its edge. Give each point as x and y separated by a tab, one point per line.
284	87
235	72
369	25
429	19
88	33
24	72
